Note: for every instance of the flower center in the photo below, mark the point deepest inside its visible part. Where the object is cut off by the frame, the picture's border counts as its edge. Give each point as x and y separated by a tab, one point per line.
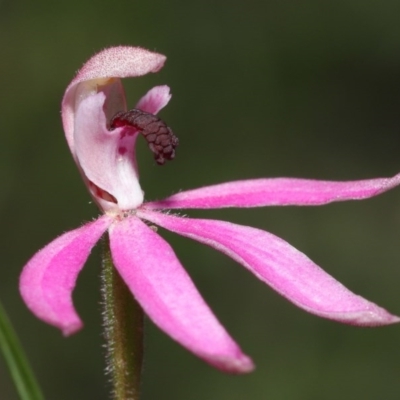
160	138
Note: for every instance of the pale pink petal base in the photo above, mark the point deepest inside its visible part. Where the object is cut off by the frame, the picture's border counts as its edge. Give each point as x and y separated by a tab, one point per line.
154	275
48	279
105	157
281	266
275	192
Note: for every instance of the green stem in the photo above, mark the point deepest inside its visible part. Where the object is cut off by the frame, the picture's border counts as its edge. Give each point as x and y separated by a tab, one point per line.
16	361
123	331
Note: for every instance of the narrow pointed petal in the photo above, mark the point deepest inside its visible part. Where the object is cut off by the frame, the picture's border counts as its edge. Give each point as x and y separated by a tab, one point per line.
48	279
276	192
114	62
281	266
159	283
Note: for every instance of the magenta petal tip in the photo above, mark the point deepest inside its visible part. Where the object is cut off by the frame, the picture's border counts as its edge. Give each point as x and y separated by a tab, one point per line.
72	328
241	365
371	318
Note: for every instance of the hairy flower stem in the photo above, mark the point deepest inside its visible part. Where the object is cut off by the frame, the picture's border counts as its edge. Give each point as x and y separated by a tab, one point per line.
123	331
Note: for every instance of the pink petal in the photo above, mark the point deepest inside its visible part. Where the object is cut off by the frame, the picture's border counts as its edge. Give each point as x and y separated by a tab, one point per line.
281	266
154	100
115	62
106	157
276	192
48	279
151	270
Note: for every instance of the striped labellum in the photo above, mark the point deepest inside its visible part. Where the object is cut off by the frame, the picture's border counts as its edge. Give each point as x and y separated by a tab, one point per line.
160	138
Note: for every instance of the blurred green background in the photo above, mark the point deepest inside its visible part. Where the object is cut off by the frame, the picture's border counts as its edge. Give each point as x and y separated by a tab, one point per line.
260	89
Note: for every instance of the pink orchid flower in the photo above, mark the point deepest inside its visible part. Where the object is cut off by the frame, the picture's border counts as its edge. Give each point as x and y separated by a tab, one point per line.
147	264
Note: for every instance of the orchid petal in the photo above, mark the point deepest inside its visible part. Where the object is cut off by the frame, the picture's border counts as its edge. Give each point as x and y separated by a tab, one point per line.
48	279
281	266
275	192
106	157
155	99
115	62
159	283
